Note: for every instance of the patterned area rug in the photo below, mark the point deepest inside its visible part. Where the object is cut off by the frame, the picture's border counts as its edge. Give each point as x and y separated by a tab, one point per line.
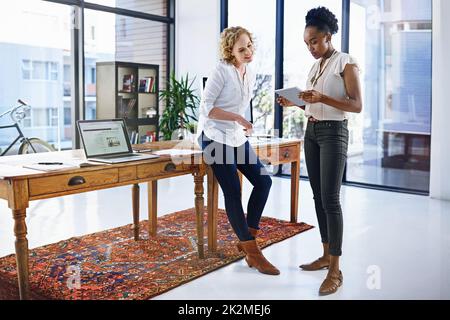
111	265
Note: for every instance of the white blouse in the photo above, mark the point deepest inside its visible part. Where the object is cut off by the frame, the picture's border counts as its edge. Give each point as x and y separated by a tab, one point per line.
225	89
330	83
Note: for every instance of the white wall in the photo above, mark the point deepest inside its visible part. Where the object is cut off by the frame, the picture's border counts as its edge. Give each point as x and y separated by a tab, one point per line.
440	132
197	29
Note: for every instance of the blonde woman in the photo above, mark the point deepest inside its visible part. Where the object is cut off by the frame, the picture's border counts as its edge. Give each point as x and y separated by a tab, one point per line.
222	134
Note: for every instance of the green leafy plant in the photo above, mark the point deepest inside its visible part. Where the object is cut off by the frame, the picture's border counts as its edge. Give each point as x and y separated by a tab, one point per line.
181	106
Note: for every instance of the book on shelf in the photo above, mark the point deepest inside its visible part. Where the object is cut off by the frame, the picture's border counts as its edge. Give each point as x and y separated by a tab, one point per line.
134	137
153	86
150	136
147	85
142	85
128	83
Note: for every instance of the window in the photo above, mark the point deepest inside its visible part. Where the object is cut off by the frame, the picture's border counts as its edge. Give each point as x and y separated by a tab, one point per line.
32	57
67	115
262	26
298	62
26	69
26	122
53	71
39	70
40	117
90	110
92	75
390	140
67	75
52	117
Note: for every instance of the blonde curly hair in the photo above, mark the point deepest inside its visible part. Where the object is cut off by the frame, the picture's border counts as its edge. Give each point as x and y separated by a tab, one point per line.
228	39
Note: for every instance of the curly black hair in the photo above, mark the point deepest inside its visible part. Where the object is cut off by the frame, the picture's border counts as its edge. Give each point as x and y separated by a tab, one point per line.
323	19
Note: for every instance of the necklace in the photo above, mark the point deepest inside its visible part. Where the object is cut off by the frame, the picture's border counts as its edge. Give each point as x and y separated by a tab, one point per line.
242	82
320	71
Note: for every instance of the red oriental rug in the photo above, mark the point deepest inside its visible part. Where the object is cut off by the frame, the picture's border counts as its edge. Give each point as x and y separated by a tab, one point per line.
111	265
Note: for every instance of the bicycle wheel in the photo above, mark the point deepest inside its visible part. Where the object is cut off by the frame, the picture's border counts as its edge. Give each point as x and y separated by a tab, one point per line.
38	145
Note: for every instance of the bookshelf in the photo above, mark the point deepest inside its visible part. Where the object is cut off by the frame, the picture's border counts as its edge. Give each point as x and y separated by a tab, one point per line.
130	91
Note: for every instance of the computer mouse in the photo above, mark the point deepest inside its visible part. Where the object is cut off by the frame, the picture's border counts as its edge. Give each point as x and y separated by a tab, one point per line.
85	164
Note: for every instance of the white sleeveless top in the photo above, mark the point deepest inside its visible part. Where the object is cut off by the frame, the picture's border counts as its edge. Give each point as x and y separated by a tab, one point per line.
330	83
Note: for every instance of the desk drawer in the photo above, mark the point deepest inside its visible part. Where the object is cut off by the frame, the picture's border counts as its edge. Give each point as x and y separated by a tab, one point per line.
276	156
68	182
165	169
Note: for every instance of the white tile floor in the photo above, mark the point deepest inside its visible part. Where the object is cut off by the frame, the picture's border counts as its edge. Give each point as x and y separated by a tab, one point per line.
396	246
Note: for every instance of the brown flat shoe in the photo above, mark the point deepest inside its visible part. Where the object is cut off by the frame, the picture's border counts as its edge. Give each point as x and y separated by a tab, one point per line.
319	264
331	283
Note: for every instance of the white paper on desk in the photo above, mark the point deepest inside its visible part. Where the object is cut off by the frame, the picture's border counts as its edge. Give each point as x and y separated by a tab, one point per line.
50	167
176	152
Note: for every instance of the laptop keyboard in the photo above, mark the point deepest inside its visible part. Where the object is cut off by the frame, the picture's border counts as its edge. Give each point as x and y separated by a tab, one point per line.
121	157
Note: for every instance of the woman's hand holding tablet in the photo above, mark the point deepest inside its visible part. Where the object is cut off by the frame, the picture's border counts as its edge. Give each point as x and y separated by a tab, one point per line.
290	97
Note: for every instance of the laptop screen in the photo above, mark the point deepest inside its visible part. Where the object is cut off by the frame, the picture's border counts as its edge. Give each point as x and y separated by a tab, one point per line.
104	137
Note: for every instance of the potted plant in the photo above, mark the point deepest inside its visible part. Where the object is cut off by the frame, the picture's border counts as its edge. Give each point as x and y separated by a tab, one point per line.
181	102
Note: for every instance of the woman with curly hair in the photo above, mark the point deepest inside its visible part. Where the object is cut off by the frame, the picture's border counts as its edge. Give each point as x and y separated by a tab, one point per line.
222	134
333	90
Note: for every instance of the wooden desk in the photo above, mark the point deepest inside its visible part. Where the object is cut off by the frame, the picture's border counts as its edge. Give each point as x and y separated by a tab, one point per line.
19	186
273	152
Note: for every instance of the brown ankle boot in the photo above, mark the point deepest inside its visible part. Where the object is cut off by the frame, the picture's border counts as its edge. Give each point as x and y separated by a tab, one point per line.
253	232
321	263
255	258
334	278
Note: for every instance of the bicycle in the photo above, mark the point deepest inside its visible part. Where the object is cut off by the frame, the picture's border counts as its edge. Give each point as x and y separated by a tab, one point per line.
27	145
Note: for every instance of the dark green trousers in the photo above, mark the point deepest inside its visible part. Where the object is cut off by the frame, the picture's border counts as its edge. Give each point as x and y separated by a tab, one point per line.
326	145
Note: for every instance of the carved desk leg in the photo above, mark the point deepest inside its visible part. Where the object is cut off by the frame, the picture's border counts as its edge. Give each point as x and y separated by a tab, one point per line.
295	181
18	203
213	200
199	209
135	196
152	207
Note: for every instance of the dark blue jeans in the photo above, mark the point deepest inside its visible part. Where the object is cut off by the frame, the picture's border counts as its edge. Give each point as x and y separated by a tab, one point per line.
326	144
225	161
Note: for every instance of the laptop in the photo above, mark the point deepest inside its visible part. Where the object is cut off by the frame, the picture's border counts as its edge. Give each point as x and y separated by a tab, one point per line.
107	141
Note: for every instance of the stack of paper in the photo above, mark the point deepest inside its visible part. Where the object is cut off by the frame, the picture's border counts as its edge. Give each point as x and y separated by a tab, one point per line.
50	167
177	152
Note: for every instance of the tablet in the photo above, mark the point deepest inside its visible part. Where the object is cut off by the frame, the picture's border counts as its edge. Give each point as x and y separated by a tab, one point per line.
292	95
